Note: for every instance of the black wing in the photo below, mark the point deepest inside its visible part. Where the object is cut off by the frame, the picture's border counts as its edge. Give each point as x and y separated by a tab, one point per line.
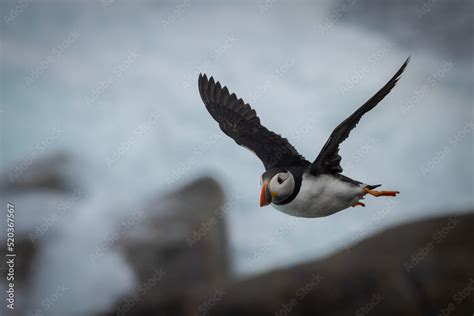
328	160
239	121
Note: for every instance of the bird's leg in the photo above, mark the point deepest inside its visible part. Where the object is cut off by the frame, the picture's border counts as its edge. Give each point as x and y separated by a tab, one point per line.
380	193
358	204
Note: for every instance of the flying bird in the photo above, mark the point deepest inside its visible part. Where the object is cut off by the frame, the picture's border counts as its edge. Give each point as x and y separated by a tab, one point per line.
292	184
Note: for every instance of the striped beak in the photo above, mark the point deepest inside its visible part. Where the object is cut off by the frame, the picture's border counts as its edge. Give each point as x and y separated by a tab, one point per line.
265	195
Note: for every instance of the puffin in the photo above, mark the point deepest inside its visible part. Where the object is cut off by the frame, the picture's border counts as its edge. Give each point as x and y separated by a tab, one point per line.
290	183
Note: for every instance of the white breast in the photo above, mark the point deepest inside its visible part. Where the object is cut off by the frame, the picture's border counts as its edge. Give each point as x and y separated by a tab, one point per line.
322	195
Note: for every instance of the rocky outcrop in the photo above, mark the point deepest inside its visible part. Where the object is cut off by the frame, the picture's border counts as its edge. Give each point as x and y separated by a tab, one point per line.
39	189
422	268
37	173
178	250
177	247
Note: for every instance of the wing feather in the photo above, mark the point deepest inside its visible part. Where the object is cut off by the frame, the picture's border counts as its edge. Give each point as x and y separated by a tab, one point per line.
240	122
328	160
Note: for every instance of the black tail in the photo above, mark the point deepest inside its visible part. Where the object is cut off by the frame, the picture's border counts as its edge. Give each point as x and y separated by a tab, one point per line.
371	187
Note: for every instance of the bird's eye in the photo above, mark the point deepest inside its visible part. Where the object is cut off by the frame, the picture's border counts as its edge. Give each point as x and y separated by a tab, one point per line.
280	180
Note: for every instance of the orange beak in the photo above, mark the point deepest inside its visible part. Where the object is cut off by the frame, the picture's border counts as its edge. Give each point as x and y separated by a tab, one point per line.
265	195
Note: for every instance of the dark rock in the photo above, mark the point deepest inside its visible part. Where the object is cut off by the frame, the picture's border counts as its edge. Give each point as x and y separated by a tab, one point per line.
26	252
40	190
43	173
179	248
423	268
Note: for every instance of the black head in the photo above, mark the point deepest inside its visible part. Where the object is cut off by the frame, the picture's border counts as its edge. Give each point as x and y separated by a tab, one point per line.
280	185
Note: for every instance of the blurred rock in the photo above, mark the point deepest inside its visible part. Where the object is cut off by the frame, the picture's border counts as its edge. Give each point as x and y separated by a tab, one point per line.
40	191
422	268
179	249
37	173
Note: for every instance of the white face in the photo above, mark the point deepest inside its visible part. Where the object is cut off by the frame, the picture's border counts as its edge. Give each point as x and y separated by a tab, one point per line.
281	186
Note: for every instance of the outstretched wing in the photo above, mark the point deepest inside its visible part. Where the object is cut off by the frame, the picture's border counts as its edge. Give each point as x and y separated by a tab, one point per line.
328	160
239	121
